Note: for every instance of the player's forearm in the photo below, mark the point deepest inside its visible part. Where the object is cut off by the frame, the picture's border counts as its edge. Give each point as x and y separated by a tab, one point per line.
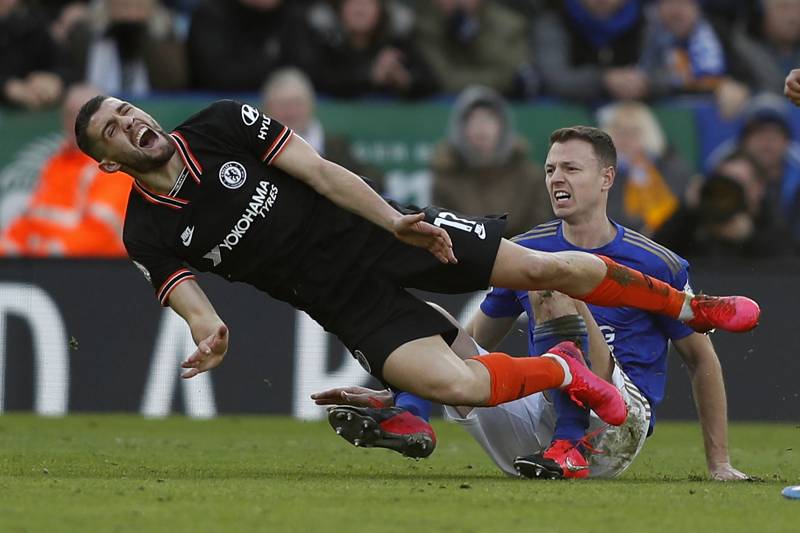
712	408
347	190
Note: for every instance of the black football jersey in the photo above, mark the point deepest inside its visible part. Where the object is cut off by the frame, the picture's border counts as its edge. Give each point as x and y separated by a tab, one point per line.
233	214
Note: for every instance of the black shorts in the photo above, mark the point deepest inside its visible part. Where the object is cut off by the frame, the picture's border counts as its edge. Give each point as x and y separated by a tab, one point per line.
381	315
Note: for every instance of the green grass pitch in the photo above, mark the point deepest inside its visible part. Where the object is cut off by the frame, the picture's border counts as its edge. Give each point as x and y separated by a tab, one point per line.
124	473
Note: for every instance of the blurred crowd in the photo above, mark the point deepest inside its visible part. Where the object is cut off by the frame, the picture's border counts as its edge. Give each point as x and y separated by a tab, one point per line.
581	50
614	55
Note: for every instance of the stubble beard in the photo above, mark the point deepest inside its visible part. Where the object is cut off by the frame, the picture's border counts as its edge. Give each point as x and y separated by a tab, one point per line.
142	163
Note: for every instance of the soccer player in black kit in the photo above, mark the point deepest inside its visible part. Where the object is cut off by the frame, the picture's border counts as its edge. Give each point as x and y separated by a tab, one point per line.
233	192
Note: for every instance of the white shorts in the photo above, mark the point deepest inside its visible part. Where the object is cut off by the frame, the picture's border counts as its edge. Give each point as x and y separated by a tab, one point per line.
525	427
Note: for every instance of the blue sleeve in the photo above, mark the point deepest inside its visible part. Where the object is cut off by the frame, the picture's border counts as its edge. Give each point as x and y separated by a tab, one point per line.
675	329
500	303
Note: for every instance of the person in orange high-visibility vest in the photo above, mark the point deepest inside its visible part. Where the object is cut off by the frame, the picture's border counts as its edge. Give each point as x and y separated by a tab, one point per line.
75	209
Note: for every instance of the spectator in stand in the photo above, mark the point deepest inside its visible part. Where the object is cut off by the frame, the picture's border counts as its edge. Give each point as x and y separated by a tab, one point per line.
30	65
364	52
651	176
64	16
75	209
728	215
235	44
730	13
772	43
767	136
182	10
475	42
129	47
484	167
589	49
288	97
683	53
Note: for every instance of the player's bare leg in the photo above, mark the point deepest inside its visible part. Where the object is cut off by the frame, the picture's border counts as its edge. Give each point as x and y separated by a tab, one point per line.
549	305
362	421
367	418
558	318
601	281
430	369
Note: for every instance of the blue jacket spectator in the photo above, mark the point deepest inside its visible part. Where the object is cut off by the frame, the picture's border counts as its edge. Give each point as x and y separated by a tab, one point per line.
767	137
589	49
684	53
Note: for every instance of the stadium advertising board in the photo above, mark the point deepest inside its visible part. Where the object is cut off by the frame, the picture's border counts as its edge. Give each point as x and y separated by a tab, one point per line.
88	336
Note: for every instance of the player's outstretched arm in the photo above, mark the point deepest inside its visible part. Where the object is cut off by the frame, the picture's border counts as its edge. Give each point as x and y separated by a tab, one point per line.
208	330
708	388
348	191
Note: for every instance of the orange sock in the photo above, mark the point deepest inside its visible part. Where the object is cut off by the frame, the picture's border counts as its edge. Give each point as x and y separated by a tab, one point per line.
624	286
516	377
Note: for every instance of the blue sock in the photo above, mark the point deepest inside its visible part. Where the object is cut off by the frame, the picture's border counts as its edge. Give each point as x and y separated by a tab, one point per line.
572	421
414	405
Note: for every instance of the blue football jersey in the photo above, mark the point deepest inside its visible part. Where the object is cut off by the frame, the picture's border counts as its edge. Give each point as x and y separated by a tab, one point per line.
638	339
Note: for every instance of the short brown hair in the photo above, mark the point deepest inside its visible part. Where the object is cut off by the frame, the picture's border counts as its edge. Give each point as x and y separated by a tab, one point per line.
601	142
87	145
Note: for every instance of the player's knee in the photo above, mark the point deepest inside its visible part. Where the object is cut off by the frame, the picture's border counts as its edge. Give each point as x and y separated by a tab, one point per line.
548	305
540	270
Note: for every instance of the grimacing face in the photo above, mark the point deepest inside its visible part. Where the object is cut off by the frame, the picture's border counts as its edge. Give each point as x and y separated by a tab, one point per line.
128	138
576	179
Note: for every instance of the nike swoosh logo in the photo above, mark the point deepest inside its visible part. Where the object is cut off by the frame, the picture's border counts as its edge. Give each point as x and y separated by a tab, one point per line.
572	467
187	236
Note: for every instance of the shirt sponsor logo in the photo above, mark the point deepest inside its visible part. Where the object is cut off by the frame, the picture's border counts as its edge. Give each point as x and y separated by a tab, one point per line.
249	115
609	334
214	255
232	175
186	236
262	132
260	204
143	270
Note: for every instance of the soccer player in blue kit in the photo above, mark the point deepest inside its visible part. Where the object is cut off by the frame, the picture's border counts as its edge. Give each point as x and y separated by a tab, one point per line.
545	435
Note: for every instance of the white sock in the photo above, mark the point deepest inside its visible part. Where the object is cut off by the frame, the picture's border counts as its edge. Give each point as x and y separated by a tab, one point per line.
564	365
686	313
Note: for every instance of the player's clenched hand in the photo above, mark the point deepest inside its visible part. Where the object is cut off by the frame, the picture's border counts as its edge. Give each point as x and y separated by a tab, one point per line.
792	87
356	396
209	354
412	229
725	472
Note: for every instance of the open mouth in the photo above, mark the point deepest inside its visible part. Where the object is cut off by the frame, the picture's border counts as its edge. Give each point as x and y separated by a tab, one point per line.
146	137
561	196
